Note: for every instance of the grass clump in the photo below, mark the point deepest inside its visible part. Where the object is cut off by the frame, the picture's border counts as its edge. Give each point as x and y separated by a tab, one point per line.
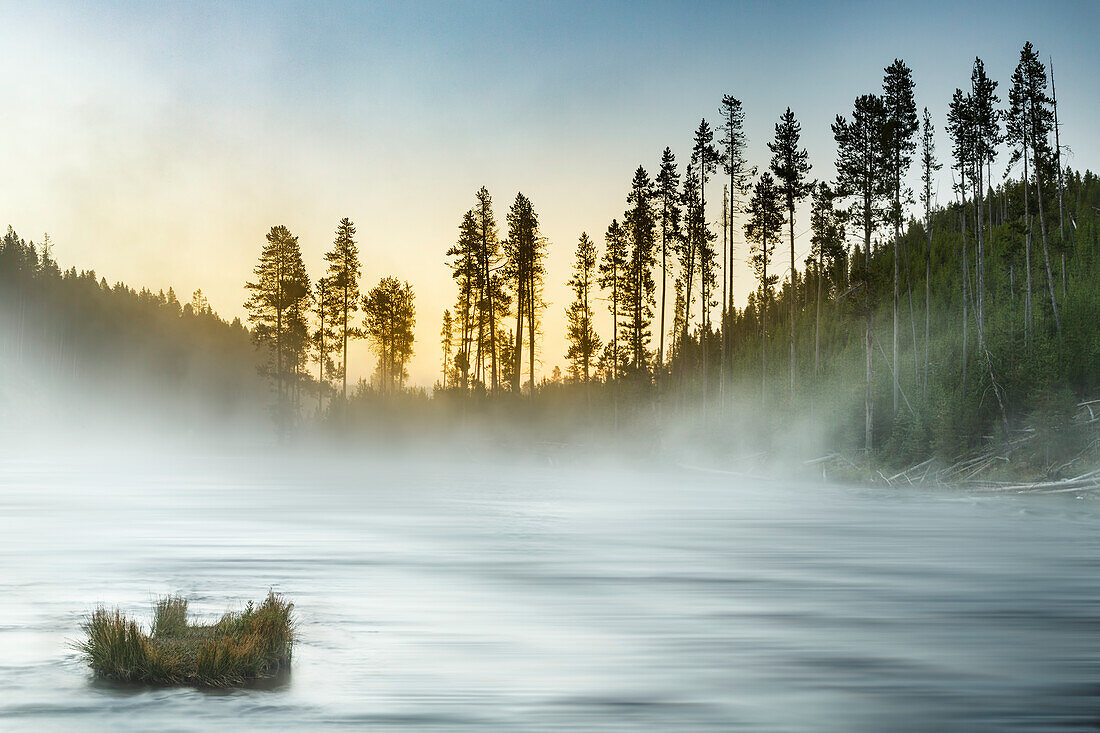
237	649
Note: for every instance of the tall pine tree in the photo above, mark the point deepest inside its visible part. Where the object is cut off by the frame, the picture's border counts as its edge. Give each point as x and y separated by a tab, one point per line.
790	164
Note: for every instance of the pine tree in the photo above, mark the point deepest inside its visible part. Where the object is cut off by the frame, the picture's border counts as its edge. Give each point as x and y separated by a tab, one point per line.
524	250
986	136
492	302
466	273
446	340
790	166
343	277
613	278
638	223
733	162
668	217
704	157
862	175
687	253
1030	108
929	166
960	126
325	338
765	212
389	320
276	306
901	126
584	343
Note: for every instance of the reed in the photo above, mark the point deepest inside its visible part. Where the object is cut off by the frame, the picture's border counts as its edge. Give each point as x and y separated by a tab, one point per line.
239	648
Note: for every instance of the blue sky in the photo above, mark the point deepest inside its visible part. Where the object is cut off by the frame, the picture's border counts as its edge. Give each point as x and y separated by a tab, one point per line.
157	142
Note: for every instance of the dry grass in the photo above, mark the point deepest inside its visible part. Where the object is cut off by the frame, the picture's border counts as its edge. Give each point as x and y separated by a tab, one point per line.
237	649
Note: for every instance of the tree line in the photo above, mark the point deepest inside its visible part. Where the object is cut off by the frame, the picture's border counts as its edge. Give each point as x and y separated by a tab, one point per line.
296	324
869	250
1006	263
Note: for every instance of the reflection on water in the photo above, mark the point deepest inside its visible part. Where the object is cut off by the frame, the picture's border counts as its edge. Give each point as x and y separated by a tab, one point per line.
473	596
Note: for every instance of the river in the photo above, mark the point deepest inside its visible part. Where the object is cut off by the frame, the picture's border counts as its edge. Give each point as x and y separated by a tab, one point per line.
472	595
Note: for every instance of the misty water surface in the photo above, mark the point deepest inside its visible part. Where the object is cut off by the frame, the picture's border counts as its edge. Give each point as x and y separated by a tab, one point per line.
438	595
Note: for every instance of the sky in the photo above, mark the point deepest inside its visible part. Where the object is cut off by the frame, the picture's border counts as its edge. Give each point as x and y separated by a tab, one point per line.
158	142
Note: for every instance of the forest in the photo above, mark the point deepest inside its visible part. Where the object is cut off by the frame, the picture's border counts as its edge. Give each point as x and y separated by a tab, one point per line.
916	331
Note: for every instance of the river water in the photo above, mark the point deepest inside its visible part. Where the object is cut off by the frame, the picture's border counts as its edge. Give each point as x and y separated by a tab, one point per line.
476	595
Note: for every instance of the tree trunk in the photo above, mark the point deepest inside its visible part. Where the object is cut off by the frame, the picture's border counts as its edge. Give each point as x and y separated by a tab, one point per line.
726	224
531	324
764	325
664	283
965	286
344	348
897	236
517	352
817	321
927	305
1046	251
869	323
1027	253
792	296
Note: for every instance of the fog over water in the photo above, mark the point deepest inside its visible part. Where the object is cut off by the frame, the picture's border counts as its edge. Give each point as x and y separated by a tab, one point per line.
475	593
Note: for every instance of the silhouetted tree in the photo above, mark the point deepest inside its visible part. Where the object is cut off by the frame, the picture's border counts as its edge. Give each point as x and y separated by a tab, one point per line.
613	278
584	343
901	126
732	157
704	157
467	274
1033	120
765	212
668	217
492	303
446	337
389	319
343	277
276	306
327	307
862	175
638	223
790	164
929	166
524	269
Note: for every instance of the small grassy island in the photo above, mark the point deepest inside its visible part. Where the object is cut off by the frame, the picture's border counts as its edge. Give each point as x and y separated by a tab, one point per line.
237	649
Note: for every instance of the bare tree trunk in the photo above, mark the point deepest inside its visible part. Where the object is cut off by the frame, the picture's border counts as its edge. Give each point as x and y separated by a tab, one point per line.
689	278
965	286
1027	254
664	283
764	326
927	307
531	324
344	348
517	353
1046	251
912	319
725	231
817	321
729	306
1058	162
897	236
869	324
792	299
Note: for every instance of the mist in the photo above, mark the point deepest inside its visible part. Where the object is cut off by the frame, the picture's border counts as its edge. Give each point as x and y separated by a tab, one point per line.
470	565
531	368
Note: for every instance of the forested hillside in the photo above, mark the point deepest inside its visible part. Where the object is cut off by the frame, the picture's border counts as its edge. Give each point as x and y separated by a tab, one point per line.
70	342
